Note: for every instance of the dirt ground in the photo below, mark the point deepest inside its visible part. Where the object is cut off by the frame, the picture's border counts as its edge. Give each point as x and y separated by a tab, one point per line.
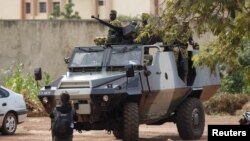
37	129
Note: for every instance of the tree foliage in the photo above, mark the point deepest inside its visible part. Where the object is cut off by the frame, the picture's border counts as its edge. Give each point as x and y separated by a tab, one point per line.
56	13
68	12
227	20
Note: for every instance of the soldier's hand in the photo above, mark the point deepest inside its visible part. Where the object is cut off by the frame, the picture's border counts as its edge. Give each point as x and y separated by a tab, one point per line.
196	46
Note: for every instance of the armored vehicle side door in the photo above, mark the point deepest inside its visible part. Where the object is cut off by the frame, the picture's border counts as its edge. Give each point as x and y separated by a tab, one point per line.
161	85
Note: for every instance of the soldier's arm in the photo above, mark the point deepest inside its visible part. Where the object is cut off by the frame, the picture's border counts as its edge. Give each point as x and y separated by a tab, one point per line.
192	43
52	115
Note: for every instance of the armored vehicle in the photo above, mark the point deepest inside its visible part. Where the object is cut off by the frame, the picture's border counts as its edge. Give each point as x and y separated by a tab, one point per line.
117	88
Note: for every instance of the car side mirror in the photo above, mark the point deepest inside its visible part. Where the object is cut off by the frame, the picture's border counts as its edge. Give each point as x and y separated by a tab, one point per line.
66	60
130	71
38	74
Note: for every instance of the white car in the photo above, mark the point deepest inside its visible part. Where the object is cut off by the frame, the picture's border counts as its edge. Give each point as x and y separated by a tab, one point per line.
12	110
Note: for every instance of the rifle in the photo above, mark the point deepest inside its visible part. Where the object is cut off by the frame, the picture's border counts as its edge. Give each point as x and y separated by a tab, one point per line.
117	29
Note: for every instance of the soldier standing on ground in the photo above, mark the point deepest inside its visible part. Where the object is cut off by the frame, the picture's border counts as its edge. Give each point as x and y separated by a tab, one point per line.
112	34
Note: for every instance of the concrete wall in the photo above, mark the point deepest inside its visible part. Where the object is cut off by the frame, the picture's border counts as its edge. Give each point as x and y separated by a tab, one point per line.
44	43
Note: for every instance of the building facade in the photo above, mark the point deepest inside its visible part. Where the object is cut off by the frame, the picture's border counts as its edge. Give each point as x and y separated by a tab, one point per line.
42	9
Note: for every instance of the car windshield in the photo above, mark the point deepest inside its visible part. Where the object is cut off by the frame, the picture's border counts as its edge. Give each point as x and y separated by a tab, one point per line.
87	59
124	57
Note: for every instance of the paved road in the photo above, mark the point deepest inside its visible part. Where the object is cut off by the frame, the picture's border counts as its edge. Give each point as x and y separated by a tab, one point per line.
37	129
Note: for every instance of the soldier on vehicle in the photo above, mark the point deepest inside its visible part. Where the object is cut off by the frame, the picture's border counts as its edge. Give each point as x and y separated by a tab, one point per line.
140	29
146	34
179	46
62	120
141	26
112	34
144	18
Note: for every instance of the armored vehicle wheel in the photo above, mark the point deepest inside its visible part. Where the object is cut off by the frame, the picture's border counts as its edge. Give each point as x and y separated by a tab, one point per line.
190	119
130	122
118	133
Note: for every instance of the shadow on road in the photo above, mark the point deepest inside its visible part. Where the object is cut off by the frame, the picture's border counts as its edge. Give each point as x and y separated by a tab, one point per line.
160	138
165	138
16	134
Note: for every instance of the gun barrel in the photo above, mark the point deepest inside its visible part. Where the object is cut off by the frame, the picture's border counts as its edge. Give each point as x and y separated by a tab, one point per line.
119	29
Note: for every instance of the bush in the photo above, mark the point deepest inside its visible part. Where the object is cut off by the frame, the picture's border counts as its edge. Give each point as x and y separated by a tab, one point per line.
233	83
244	109
25	84
238	81
225	103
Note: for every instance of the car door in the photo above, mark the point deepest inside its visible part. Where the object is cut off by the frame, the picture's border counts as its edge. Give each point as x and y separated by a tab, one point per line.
3	103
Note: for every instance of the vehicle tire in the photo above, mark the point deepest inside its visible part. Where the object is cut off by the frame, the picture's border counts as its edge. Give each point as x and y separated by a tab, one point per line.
190	119
9	124
130	122
118	133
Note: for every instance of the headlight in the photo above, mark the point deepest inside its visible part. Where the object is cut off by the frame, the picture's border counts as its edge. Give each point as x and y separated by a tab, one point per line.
45	100
105	98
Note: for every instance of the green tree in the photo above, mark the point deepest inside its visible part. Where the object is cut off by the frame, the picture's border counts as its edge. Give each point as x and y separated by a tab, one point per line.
56	13
229	21
233	82
68	12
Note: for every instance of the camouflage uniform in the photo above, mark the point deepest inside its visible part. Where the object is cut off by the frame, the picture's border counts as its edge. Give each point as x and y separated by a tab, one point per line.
179	48
100	40
185	40
140	28
146	33
112	34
